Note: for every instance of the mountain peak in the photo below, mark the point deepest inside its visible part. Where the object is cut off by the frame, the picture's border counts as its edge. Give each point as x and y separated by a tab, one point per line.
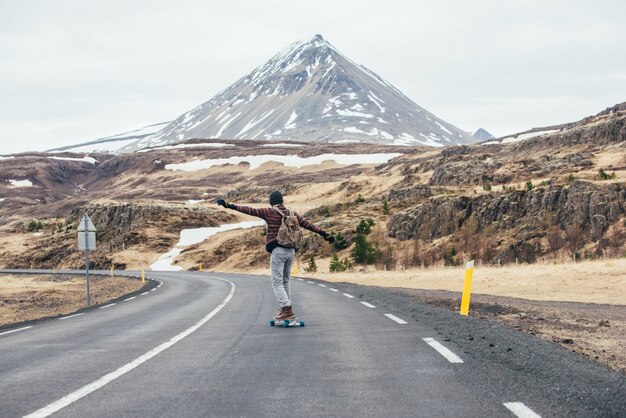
311	92
482	135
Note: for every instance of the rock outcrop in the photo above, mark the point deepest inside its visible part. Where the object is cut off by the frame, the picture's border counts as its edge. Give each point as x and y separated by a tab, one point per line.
591	207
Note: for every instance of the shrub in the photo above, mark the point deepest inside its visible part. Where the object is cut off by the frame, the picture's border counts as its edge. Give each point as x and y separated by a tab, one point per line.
364	252
487	186
365	226
385	207
311	265
34	225
449	257
340	242
571	179
359	199
338	265
606	176
529	185
325	212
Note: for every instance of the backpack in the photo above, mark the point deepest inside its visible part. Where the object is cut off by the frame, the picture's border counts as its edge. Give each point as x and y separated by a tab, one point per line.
289	234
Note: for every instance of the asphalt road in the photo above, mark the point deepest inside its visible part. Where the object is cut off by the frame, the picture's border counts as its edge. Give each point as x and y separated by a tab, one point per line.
200	345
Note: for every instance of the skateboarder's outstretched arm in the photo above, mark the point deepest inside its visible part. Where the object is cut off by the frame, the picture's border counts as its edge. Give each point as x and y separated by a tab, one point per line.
305	223
259	213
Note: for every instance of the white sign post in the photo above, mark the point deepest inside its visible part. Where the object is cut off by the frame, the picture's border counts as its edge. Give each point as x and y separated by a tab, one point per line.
86	241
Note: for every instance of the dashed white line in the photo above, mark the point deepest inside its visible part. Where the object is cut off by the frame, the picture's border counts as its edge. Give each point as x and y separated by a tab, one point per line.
152	290
15	330
395	318
86	390
72	316
323	285
145	293
308	281
348	296
300	280
449	355
107	306
521	410
334	290
369	305
134	297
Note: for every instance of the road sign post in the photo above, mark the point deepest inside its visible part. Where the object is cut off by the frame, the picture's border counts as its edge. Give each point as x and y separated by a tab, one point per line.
86	241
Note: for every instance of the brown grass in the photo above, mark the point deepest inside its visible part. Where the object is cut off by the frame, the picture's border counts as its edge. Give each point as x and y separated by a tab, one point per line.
588	281
29	297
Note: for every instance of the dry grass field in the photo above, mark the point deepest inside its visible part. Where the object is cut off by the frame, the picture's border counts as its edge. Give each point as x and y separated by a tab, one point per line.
28	297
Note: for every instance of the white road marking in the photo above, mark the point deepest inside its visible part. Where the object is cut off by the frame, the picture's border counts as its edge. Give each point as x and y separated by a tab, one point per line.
348	296
308	281
15	330
369	305
153	289
300	280
145	293
130	298
521	410
449	355
86	390
395	318
323	285
107	306
72	316
334	290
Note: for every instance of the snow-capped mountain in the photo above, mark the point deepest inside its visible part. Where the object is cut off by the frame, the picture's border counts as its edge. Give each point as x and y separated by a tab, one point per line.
311	92
482	135
113	143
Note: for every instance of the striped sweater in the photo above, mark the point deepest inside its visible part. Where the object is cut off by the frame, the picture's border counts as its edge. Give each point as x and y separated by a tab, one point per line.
273	219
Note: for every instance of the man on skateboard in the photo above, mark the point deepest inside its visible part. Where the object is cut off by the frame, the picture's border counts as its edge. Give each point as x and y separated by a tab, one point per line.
282	256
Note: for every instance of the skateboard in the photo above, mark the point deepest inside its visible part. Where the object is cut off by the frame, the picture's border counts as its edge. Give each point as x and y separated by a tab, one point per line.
286	323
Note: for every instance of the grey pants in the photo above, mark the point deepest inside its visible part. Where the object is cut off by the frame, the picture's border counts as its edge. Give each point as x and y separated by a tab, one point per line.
280	267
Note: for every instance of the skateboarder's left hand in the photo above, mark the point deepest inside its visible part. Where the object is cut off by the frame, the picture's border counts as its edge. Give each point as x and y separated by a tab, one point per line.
221	202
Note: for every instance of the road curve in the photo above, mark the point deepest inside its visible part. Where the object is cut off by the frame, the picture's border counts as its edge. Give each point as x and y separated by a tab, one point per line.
200	345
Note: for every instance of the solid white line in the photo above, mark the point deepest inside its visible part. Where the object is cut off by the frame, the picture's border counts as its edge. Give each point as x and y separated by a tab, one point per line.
107	306
521	410
395	318
145	293
369	305
308	281
130	298
86	390
334	290
449	355
323	285
72	316
348	296
15	330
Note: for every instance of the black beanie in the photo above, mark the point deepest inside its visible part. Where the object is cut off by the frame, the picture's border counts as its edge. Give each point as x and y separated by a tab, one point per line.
276	198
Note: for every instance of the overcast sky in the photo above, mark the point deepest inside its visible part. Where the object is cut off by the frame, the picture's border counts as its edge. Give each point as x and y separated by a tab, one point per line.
72	71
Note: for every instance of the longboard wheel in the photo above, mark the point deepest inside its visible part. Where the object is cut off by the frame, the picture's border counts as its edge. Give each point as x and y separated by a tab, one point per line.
286	324
301	323
272	323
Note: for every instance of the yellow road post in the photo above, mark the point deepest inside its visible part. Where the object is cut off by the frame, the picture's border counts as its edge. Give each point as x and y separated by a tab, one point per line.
112	267
294	268
143	276
467	287
200	266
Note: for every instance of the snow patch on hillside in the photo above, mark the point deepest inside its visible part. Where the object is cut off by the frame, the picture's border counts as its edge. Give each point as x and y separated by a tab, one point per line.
21	183
257	161
194	236
85	159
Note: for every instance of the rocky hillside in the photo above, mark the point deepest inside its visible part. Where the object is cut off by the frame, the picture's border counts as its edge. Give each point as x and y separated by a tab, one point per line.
557	196
311	92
